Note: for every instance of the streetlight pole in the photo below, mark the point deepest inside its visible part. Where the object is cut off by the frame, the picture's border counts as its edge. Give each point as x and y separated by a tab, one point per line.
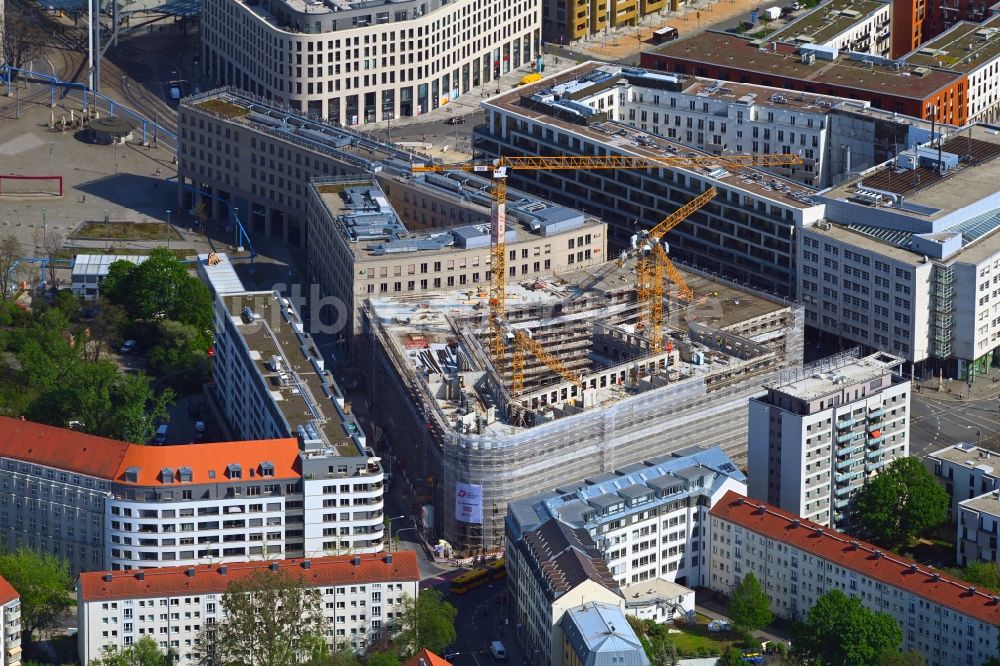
389	522
50	159
168	228
107	237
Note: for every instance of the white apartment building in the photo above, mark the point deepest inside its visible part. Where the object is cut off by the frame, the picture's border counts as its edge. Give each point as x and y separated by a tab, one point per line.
911	261
816	438
272	382
647	519
551	570
978	525
861	27
104	504
363	62
971	48
966	471
10	618
360	247
361	598
948	621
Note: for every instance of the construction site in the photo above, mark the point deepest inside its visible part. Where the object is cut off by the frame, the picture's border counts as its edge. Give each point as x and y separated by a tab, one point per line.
587	381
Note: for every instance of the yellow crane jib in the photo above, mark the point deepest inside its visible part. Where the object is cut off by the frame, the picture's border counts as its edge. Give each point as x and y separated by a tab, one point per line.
524	342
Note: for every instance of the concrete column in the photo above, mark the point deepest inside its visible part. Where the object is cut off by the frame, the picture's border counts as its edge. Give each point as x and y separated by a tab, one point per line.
181	182
268	221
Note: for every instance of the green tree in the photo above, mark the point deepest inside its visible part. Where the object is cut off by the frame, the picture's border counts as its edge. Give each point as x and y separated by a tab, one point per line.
901	503
180	356
383	659
749	606
428	622
271	619
897	658
45	586
159	287
839	631
144	652
982	574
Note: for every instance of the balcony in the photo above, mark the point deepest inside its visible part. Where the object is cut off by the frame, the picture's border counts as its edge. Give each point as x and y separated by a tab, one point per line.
844	425
844	464
874	466
876	413
876	440
841	504
872	455
841	478
841	439
850	449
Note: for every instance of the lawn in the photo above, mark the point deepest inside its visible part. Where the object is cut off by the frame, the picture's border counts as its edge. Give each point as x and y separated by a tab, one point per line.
692	638
71	252
134	231
223	108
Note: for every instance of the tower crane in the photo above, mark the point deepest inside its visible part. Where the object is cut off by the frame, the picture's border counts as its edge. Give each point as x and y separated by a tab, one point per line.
524	342
499	170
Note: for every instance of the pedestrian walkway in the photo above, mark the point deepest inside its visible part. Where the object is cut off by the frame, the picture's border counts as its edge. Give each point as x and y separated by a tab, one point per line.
945	389
715	610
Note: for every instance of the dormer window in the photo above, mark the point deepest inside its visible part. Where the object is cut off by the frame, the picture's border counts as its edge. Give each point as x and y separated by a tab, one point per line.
267	469
132	474
234	471
167	475
185	474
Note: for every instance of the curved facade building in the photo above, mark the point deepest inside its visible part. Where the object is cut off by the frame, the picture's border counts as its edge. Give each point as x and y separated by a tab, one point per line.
362	62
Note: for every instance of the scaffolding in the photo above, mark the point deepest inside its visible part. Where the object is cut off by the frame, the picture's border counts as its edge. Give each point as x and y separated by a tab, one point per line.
627	407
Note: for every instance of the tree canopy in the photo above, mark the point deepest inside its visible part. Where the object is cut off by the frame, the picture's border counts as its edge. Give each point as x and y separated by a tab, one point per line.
159	287
428	622
45	586
901	503
840	631
982	574
271	619
144	652
749	606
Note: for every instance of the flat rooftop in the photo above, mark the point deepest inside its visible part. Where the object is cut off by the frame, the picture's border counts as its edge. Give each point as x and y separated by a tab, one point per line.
867	241
297	381
726	50
335	141
626	140
833	381
962	48
767	96
652	590
968	455
988	503
827	21
365	216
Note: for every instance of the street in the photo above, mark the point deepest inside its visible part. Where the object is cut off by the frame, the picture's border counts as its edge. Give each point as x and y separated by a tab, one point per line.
480	620
942	419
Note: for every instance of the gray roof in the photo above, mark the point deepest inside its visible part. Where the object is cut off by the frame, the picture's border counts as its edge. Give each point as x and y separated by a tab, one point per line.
634	491
98	264
600	635
605	500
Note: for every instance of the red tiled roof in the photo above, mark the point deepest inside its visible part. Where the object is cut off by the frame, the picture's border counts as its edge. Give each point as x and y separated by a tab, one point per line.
66	449
206	460
210	579
7	592
428	657
861	556
109	459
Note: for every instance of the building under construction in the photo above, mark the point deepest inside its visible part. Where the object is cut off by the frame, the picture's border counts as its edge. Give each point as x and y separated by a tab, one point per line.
581	390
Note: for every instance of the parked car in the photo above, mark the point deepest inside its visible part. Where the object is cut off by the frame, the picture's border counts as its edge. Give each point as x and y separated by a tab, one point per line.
129	347
175	92
456	120
161	435
498	651
199	431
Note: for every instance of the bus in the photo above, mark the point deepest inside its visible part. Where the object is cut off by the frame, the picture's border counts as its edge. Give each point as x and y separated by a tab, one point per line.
665	34
497	569
470	580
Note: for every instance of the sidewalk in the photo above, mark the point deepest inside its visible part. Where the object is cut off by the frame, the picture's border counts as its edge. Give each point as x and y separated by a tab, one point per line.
715	610
984	387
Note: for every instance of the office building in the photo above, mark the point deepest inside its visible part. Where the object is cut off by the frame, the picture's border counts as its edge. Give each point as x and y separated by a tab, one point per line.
970	48
648	519
856	26
104	504
947	620
551	570
248	159
597	634
362	599
272	382
920	92
907	257
978	523
89	270
966	471
746	233
460	423
360	248
362	62
817	439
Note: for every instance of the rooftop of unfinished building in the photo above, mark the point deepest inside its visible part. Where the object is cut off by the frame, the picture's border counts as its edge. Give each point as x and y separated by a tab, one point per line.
622	139
291	368
963	48
373	229
819	383
726	50
828	20
968	455
241	108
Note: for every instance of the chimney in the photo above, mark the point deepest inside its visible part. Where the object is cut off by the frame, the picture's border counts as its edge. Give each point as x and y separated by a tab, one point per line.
306	564
190	572
108	578
140	575
877	554
796	522
388	558
740	500
274	566
421	662
223	570
357	561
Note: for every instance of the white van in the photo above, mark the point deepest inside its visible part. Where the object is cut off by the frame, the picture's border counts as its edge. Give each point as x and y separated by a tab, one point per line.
498	651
